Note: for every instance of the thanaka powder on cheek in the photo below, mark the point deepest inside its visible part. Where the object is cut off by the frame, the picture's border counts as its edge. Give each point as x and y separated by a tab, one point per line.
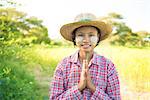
93	40
79	40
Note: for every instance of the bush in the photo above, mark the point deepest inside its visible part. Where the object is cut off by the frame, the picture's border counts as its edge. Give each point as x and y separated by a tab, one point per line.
15	80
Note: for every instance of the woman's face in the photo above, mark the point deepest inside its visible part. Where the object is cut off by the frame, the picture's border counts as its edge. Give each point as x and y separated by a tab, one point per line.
86	38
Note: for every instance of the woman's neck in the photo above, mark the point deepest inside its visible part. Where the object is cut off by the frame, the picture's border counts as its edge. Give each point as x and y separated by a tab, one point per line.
85	56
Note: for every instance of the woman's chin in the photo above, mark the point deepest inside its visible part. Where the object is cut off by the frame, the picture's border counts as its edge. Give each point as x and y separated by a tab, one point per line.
86	50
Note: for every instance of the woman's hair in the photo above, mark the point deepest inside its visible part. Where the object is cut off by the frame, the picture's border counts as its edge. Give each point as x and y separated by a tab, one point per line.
74	35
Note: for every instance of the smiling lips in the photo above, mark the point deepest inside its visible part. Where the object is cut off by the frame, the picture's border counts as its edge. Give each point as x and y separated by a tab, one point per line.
86	45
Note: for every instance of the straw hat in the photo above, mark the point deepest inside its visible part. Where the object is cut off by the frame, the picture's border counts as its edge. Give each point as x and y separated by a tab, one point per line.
85	19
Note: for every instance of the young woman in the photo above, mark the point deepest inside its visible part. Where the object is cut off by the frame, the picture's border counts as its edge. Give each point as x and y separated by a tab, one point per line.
85	75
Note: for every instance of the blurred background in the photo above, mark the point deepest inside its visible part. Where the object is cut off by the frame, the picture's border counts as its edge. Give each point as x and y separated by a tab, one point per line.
31	45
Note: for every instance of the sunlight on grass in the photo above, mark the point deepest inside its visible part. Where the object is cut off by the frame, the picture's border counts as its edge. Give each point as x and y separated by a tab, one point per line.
132	64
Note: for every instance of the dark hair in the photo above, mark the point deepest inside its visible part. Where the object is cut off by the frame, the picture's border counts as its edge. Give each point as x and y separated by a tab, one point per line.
74	35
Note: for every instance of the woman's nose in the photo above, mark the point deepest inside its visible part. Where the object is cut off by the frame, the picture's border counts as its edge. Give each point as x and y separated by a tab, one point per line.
86	38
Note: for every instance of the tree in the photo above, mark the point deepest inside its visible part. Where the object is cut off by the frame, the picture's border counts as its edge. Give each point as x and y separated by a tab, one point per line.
8	3
16	27
144	38
122	34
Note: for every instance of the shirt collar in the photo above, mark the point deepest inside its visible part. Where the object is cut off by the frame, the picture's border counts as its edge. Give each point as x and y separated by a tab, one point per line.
74	57
94	59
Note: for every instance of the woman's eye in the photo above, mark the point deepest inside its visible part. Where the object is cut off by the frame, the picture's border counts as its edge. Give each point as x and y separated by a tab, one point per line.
80	35
91	35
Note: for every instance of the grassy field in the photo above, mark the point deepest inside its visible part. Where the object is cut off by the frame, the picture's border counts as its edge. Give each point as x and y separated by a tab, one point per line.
132	64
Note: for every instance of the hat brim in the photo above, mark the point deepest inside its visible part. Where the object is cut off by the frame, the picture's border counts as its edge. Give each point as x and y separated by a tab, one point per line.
67	29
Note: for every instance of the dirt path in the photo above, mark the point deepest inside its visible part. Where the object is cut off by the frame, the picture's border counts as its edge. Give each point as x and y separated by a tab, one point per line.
127	94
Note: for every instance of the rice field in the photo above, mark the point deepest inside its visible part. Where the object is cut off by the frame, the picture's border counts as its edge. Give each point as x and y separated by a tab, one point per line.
133	66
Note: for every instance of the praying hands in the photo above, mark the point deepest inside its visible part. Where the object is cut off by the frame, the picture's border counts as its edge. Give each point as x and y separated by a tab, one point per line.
85	78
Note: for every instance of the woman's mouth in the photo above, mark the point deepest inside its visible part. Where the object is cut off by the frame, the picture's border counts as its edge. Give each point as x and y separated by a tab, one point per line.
86	45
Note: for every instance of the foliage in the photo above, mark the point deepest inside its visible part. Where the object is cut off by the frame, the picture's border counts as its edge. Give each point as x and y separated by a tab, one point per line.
15	80
8	3
115	15
122	34
61	42
17	31
16	27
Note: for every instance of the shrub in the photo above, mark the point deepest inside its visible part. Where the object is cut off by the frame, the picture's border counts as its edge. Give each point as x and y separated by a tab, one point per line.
16	82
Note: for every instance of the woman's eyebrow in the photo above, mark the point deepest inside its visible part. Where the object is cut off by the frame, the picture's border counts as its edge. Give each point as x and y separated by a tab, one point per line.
80	33
85	33
90	32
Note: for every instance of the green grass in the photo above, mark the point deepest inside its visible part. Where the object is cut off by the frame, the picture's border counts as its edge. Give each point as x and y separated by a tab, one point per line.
132	64
15	81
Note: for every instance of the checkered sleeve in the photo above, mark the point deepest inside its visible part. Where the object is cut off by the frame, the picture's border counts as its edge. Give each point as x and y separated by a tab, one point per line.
58	92
113	88
99	94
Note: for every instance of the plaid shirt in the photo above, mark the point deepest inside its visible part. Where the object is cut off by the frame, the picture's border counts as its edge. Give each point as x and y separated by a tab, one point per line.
103	75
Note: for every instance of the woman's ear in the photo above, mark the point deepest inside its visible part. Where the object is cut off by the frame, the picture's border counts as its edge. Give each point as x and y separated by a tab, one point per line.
99	38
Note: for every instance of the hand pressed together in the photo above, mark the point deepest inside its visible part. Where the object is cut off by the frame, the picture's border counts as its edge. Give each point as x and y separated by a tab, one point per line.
85	78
